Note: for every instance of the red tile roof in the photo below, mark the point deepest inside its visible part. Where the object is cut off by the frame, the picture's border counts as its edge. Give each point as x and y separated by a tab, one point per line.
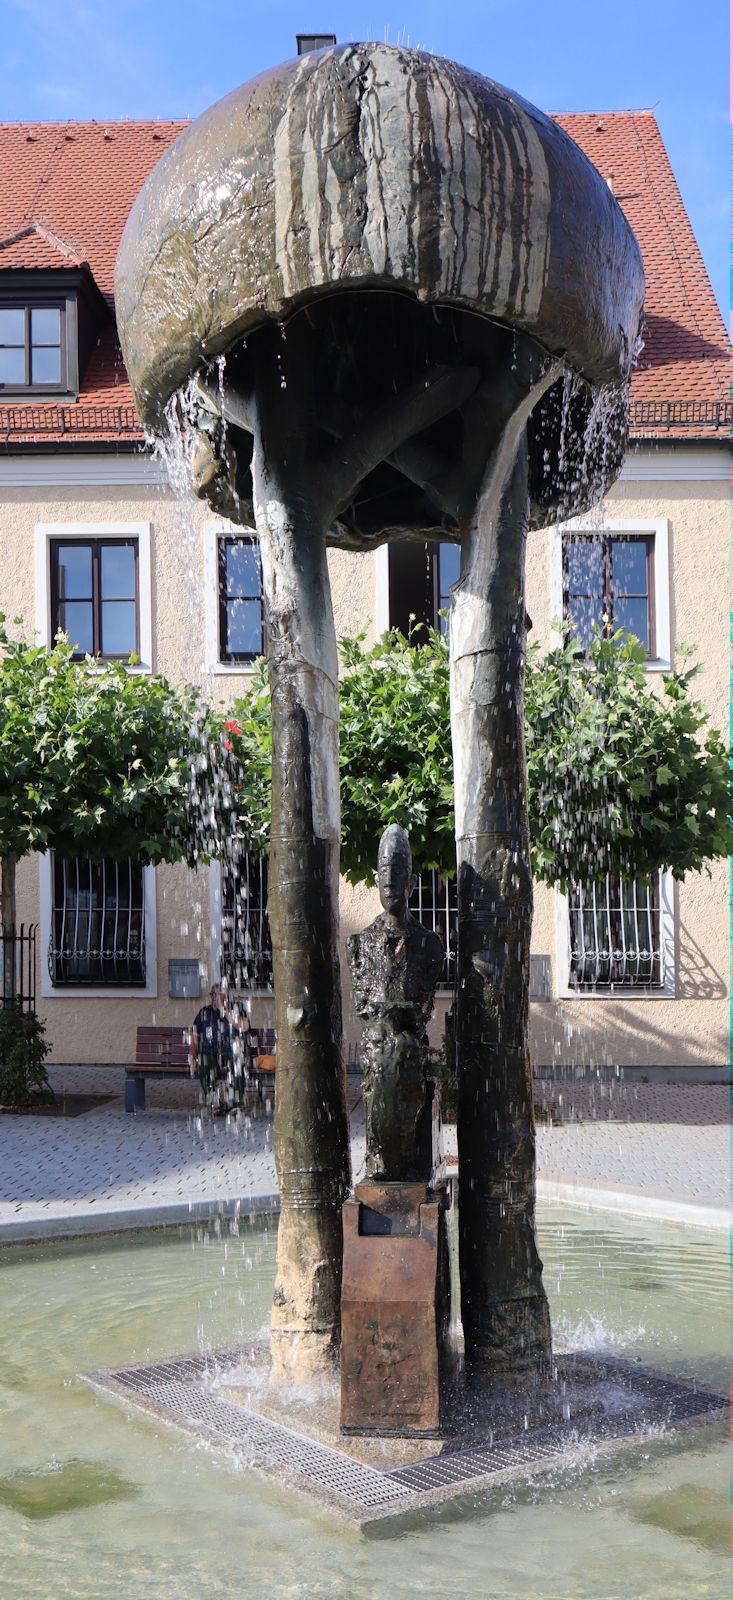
686	353
79	180
67	189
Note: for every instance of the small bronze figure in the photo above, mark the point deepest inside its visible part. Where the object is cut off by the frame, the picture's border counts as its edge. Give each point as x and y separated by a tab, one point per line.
395	966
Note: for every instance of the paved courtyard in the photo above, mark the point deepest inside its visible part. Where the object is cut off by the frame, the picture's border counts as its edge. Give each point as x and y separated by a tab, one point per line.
658	1150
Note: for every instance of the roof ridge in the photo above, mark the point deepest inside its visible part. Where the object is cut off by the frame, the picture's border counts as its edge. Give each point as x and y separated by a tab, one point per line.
604	111
51	237
98	122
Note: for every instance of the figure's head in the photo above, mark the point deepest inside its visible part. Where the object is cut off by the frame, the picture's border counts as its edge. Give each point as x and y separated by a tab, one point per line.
217	996
394	869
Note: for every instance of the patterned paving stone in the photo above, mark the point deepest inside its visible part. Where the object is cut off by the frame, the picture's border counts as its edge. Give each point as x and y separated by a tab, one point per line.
668	1141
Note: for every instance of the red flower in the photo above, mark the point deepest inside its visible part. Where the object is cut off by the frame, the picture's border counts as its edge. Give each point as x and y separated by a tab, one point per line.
232	727
227	744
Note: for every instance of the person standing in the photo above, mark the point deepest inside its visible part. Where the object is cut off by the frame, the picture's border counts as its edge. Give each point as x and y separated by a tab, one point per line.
218	1052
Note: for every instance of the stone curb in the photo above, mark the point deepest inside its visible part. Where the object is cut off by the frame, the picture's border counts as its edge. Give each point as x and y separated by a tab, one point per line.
630	1202
84	1224
551	1188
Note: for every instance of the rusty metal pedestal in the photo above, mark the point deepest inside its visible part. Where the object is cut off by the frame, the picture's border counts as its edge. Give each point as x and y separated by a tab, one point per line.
394	1310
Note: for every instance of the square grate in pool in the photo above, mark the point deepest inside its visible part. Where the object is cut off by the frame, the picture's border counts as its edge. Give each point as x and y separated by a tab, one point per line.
640	1405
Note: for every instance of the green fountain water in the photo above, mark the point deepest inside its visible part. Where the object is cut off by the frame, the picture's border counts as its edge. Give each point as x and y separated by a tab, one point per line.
96	1505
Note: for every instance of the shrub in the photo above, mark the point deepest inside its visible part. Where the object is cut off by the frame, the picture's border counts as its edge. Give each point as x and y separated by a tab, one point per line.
23	1051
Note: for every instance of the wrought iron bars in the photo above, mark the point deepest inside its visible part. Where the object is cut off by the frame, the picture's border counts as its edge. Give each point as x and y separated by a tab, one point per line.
615	934
18	968
97	924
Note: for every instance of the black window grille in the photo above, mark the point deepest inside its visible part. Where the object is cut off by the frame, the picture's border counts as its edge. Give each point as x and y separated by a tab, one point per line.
240	599
246	947
615	930
434	901
608	583
97	924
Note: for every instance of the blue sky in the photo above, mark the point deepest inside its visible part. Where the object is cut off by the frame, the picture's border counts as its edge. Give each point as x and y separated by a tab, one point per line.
172	58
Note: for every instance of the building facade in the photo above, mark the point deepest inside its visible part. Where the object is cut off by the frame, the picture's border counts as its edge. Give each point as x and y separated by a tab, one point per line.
92	540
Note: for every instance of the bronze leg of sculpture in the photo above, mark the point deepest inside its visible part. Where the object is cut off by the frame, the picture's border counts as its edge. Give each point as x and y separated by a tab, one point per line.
503	1305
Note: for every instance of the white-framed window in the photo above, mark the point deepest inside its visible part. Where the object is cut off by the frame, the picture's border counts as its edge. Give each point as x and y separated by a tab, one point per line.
98	928
93	582
414	579
240	928
33	343
434	901
615	574
615	939
234	605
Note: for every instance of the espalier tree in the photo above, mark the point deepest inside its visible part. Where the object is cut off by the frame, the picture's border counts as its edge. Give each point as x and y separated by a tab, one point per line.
621	779
99	761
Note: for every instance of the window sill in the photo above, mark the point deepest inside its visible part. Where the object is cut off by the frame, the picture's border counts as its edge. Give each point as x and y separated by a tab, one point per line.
74	992
140	668
31	396
613	995
239	669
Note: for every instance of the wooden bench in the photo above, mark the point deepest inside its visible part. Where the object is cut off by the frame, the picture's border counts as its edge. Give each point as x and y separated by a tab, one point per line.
264	1057
159	1053
163	1053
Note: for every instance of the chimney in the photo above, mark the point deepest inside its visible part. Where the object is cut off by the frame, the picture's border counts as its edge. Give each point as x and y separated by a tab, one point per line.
306	42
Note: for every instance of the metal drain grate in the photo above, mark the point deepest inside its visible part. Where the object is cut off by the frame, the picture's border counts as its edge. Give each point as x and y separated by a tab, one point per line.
175	1387
180	1391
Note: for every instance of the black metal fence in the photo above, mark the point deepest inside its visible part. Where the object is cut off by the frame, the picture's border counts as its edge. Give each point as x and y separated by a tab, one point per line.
78	421
18	967
667	414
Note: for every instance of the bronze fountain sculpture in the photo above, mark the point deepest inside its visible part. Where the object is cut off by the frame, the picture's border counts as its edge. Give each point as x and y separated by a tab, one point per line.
400	301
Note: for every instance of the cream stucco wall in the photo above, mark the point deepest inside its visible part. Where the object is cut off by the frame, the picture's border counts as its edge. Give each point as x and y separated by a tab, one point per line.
693	1028
690	1029
102	1028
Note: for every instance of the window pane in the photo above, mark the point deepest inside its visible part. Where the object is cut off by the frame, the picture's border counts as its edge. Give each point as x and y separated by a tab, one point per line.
12	366
633	615
582	614
118	572
12	325
45	325
45	365
118	628
628	566
244	627
75	618
584	565
450	566
242	570
74	571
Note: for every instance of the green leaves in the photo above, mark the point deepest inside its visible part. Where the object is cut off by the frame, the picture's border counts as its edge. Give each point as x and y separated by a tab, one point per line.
396	761
96	760
623	773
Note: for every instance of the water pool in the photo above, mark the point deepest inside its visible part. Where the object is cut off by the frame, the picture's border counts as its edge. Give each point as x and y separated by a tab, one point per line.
96	1504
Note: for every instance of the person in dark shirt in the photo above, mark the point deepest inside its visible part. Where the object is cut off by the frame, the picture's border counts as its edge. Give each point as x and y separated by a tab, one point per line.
219	1052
